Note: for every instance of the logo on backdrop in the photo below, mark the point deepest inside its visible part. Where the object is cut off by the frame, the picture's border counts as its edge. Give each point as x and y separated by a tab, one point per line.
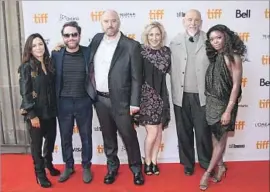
68	18
244	36
131	36
96	15
240	125
262	124
236	146
100	149
40	18
156	14
267	14
97	128
265	59
47	41
244	82
56	148
214	13
180	14
242	14
262	144
77	149
161	147
127	15
264	103
264	82
265	36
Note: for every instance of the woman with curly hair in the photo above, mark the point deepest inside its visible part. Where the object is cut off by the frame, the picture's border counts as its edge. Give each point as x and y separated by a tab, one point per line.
225	50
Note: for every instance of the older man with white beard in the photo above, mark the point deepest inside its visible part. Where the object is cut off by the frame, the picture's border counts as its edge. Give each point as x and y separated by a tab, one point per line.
189	64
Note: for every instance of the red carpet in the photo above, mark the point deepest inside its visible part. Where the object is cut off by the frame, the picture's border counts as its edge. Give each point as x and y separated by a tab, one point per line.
17	176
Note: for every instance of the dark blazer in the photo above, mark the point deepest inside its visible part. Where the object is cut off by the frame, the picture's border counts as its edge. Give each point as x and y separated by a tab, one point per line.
57	58
125	74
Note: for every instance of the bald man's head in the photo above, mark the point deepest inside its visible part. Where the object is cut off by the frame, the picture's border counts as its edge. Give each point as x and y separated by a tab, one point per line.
192	22
110	23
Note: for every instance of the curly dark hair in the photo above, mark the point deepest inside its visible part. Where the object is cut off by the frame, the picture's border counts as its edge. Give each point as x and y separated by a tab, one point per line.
233	44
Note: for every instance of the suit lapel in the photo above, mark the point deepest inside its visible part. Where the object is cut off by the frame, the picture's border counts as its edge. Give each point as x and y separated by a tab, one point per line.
200	43
118	51
94	46
60	61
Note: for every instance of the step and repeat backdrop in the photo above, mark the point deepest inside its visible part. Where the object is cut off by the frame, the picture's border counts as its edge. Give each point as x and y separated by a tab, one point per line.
249	19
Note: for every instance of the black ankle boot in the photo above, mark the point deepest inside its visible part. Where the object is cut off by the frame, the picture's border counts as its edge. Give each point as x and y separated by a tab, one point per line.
148	169
53	171
42	179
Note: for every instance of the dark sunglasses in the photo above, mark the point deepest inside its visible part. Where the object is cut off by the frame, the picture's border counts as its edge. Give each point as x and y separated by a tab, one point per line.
67	35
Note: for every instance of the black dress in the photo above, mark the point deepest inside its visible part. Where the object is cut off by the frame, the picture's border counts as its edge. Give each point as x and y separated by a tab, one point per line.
154	105
218	89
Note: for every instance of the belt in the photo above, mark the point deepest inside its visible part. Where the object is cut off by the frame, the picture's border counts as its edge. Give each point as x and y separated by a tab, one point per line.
103	94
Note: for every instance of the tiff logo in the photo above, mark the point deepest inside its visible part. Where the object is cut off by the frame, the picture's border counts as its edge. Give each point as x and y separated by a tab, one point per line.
100	149
265	59
40	18
244	82
244	36
264	103
264	82
75	129
262	144
240	125
267	14
96	15
214	13
180	14
67	18
156	14
131	36
55	149
244	14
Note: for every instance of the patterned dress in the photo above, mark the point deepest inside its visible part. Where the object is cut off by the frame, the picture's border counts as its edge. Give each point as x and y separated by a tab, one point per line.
218	89
154	105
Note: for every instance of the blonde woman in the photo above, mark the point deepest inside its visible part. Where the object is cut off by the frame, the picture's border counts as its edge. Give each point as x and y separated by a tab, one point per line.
154	112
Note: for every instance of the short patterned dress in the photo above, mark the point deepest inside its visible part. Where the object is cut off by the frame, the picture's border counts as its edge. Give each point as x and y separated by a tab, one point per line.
218	87
154	105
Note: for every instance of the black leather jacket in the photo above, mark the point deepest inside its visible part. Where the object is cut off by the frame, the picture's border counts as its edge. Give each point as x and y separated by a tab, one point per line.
37	90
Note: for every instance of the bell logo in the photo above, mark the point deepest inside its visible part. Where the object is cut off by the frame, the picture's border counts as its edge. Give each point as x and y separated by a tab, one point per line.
156	14
100	149
161	147
244	82
40	18
75	129
267	14
214	13
240	125
262	144
264	103
131	36
244	36
55	149
242	14
265	60
96	15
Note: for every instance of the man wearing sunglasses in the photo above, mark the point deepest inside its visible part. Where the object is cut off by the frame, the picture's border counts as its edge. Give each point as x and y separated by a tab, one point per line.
75	94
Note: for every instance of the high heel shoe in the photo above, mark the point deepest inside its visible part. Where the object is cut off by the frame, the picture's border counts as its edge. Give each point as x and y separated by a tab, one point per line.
204	181
222	169
155	169
148	170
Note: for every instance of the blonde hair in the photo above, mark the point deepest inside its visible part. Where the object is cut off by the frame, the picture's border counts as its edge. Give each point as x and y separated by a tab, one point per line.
148	28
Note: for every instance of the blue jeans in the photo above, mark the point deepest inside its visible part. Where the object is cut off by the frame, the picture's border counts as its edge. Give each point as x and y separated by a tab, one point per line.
81	110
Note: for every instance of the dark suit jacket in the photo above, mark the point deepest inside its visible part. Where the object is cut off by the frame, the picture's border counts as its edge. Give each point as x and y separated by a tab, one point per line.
57	59
125	74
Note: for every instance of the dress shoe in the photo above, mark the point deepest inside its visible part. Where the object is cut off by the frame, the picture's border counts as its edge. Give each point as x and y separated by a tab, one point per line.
42	179
138	178
66	174
110	177
53	171
189	171
87	175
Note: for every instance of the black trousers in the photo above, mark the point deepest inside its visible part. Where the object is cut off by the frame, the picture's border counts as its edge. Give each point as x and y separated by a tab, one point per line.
110	123
188	117
47	131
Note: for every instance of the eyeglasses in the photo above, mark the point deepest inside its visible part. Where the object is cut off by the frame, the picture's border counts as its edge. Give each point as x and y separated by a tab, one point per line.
67	35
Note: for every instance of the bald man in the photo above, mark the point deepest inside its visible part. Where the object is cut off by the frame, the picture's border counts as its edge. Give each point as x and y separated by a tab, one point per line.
118	80
189	64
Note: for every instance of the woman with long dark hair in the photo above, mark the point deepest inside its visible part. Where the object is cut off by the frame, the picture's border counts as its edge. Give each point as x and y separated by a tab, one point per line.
36	80
225	51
